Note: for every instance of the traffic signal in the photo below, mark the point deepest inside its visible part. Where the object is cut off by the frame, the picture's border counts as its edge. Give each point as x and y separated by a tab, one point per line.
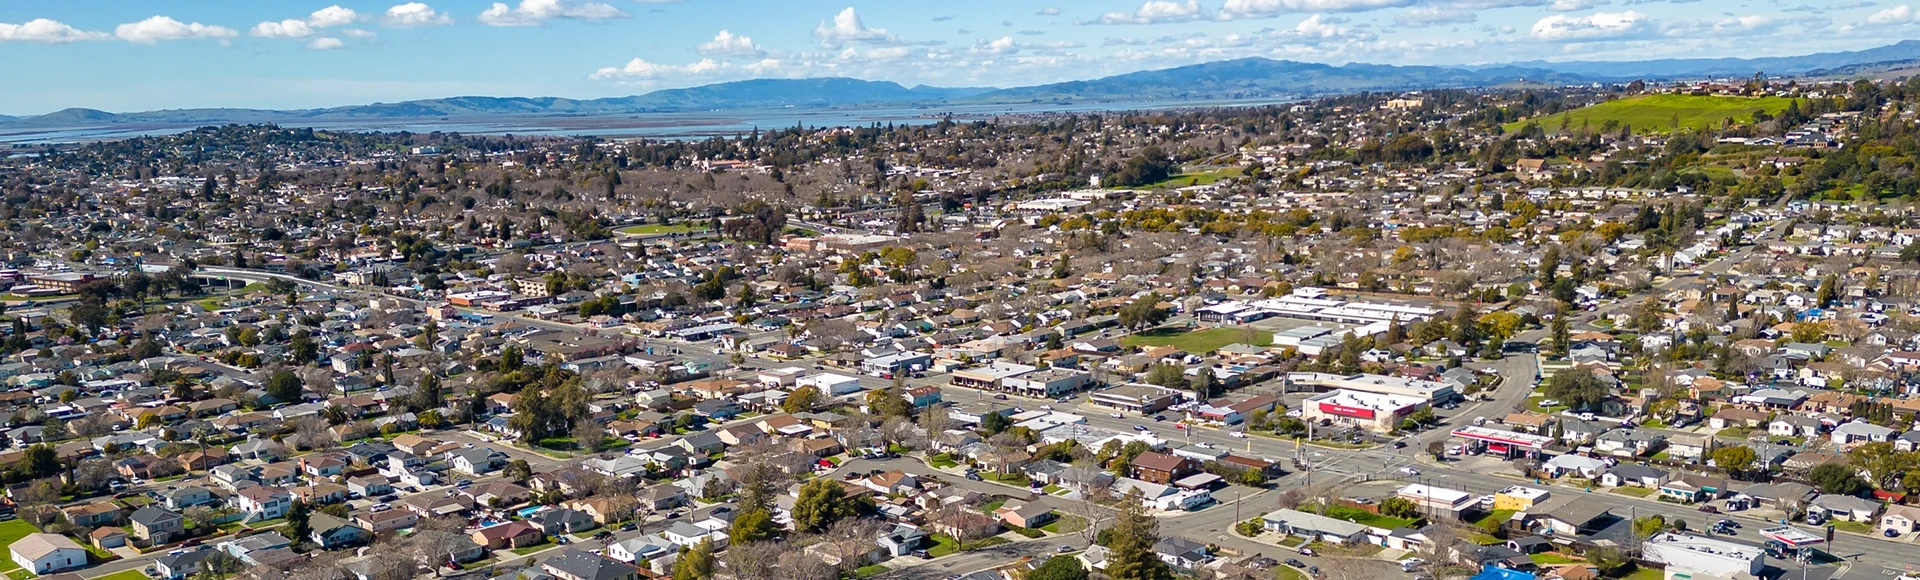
1829	533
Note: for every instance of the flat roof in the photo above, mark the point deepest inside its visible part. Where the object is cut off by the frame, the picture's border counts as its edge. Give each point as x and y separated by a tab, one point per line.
1791	536
1435	494
1507	437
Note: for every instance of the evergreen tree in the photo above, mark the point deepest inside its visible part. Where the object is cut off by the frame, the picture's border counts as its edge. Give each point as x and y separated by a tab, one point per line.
1131	554
695	564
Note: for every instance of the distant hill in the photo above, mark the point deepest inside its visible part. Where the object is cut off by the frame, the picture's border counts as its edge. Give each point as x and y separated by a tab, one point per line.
1240	79
1260	77
1700	67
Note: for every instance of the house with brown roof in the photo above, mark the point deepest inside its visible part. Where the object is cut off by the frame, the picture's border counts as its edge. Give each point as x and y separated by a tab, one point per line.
1161	468
1741	417
514	534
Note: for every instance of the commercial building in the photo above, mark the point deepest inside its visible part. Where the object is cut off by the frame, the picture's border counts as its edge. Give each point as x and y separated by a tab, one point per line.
1137	398
1371	411
1435	392
1437	501
989	376
1047	383
1518	498
1690	556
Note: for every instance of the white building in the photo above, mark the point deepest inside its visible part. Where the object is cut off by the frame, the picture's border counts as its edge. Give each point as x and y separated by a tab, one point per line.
1371	411
1686	555
47	553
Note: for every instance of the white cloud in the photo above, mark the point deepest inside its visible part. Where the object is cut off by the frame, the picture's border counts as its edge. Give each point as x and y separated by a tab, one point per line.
158	28
283	29
641	69
1598	26
325	43
1002	45
332	16
1424	16
847	29
537	12
358	33
1574	5
45	31
729	44
1155	12
1243	9
1049	11
413	14
1892	15
1315	27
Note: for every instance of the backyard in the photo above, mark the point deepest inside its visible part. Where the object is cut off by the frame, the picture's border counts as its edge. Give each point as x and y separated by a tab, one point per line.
1360	516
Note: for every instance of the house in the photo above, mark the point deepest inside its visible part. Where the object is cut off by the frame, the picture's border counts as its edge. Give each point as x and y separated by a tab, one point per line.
1689	488
1794	426
1314	527
1025	515
330	532
689	535
1902	519
177	566
157	525
478	460
563	521
662	497
1633	475
903	539
1181	553
265	503
369	485
109	537
47	553
1853	432
644	547
187	497
101	513
577	564
891	482
515	534
1845	507
1161	468
386	521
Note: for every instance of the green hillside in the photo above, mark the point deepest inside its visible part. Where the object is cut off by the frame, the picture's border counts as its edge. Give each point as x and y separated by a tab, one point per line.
1655	113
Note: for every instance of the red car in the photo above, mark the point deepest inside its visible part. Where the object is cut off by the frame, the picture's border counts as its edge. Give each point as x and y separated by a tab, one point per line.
1709	509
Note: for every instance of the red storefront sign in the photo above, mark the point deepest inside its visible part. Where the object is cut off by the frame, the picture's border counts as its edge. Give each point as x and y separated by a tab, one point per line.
1345	411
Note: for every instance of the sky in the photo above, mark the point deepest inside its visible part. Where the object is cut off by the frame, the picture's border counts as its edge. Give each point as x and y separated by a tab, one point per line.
137	55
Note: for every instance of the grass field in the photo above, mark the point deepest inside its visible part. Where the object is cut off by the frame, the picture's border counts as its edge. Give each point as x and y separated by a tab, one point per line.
1199	178
659	229
1655	113
1197	341
124	575
1359	516
535	548
1066	524
942	545
10	532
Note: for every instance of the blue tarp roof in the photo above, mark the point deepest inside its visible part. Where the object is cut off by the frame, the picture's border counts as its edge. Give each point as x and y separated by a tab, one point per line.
1497	573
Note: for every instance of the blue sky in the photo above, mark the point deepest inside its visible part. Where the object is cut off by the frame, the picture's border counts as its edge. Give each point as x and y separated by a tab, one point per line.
127	55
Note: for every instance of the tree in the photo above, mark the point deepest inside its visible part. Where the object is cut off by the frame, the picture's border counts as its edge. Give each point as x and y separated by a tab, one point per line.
1399	507
695	564
518	470
752	526
1144	312
1734	458
1167	375
889	403
821	503
41	460
1836	478
994	423
1059	568
1649	526
802	400
283	386
1150	166
1829	291
1131	555
297	520
1202	384
1577	389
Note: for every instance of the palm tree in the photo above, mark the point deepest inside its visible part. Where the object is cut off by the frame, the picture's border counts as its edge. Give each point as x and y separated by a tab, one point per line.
334	414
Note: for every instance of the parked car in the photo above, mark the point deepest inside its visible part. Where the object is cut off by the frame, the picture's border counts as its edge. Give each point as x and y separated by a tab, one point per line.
1709	509
1295	562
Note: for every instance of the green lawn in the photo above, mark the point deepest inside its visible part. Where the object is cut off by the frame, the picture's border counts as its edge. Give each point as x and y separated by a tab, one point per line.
1655	113
869	571
659	229
1496	515
1066	524
942	461
1360	516
1551	559
1632	491
942	545
1645	574
10	532
124	575
1199	178
1198	341
1855	527
1288	573
987	508
534	548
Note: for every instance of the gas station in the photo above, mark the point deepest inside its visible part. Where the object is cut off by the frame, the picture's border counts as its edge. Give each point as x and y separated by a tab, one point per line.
1507	444
1791	540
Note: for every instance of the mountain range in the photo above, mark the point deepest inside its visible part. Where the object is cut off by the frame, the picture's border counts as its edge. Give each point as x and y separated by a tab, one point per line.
1240	79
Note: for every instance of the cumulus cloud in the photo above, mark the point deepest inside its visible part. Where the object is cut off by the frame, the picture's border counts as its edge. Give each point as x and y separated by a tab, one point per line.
1892	15
1155	12
729	44
414	14
46	31
358	33
325	43
847	28
538	12
332	16
640	69
1246	9
159	28
290	28
1597	26
1424	16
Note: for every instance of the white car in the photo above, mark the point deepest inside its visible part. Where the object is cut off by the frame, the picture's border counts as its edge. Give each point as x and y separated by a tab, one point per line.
1204	445
1237	435
1409	471
1116	415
